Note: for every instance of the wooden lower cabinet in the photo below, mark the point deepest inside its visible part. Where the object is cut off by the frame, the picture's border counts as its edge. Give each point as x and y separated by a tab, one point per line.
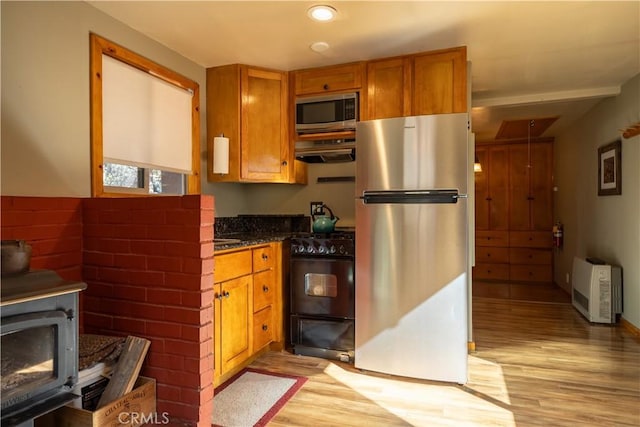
518	256
247	306
232	301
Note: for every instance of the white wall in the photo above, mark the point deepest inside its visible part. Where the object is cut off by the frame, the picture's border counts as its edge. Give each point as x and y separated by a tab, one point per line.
294	199
45	145
45	98
606	227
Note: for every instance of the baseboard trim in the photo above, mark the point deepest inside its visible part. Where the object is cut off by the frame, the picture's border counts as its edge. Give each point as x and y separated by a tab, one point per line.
630	327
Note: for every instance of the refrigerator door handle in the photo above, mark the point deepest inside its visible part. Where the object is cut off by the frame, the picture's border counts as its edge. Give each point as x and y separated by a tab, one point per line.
410	196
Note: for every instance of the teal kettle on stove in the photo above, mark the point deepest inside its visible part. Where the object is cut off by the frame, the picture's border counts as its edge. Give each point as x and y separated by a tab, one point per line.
324	224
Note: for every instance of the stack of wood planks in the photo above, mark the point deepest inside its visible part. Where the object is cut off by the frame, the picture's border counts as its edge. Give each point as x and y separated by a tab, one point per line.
125	372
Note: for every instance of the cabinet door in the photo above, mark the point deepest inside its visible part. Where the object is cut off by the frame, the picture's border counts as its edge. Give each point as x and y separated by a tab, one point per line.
541	186
388	88
492	190
235	322
482	189
440	82
519	187
217	319
329	79
530	176
223	118
265	146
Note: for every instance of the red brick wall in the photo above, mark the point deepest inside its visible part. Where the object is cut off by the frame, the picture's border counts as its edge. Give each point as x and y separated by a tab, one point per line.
53	228
148	263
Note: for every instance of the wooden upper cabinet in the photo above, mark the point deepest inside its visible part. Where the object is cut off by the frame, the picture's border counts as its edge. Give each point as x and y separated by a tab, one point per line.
337	78
426	83
492	190
248	105
440	82
388	88
531	186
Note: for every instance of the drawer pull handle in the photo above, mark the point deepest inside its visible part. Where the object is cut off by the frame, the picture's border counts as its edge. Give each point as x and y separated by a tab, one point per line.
226	294
219	297
265	257
265	288
325	86
265	327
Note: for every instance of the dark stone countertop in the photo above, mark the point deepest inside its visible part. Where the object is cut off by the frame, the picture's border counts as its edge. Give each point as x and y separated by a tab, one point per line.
248	239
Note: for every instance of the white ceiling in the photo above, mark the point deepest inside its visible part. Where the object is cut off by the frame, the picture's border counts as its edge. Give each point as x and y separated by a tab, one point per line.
529	59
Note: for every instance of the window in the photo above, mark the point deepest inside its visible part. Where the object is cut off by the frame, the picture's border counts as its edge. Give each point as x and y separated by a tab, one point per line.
144	125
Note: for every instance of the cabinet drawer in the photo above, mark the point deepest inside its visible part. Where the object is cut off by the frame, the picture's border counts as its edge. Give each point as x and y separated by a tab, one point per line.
492	238
530	239
530	256
329	79
263	289
530	273
491	271
490	254
263	258
229	266
262	328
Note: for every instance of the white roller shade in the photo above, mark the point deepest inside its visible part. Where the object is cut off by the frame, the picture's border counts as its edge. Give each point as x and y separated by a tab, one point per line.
146	121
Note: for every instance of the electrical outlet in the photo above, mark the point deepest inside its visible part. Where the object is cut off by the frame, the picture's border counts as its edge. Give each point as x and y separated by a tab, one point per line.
317	208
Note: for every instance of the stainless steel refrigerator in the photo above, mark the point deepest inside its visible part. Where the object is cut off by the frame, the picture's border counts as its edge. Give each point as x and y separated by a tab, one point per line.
412	246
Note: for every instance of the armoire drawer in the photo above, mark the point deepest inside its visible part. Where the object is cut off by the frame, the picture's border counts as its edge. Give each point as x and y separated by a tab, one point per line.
530	256
491	254
492	238
530	273
484	271
530	239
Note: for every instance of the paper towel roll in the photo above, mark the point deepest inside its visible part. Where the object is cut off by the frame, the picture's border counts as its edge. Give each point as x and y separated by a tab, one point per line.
220	155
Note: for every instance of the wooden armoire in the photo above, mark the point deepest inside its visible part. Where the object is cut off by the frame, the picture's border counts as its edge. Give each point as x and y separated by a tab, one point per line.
514	211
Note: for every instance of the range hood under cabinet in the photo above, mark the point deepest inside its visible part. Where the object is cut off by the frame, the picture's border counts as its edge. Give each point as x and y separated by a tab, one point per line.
332	148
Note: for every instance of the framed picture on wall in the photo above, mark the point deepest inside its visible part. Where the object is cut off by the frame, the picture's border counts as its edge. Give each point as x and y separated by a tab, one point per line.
609	169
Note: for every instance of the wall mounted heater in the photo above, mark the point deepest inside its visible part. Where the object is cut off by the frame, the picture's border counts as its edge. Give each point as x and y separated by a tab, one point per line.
596	289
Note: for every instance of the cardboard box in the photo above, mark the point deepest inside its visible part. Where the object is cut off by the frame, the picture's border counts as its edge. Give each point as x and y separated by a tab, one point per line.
133	409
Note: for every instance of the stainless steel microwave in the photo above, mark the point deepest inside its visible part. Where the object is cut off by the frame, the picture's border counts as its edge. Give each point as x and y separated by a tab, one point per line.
329	113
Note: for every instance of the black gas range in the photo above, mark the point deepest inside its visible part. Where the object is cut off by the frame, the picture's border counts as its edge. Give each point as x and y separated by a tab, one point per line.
322	286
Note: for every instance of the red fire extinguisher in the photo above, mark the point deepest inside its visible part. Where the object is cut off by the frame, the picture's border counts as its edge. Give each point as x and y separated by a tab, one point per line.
557	234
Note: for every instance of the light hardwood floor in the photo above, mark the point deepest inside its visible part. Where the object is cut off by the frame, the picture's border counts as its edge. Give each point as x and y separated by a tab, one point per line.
535	364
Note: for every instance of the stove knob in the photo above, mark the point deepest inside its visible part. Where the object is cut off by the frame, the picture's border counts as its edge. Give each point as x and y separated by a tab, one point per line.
332	249
322	249
341	249
309	249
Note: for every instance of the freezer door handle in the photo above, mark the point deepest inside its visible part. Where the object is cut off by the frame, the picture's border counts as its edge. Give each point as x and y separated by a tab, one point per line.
410	196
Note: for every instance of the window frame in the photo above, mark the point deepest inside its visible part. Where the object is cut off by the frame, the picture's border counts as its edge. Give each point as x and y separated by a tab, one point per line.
100	46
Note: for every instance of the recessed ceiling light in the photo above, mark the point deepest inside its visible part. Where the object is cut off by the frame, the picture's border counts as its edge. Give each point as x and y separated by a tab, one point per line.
319	46
321	13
